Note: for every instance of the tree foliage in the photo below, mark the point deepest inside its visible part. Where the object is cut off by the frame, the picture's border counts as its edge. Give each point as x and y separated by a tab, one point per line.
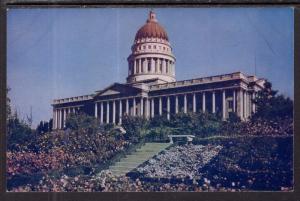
8	107
270	105
18	130
82	122
136	128
44	127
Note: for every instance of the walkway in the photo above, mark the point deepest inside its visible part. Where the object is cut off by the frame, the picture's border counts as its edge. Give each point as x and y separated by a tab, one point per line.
136	158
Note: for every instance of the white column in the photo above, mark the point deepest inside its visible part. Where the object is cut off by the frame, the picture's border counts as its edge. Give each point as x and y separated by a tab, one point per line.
253	104
134	107
164	66
160	106
173	68
140	65
241	104
127	107
213	102
168	107
203	102
107	112
101	112
58	117
224	105
245	104
134	66
96	109
185	104
142	106
114	112
152	65
176	104
65	116
152	107
249	104
234	100
120	111
146	65
74	110
147	108
61	119
54	119
194	102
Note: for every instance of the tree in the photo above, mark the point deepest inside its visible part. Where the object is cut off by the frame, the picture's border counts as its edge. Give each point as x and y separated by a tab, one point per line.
50	124
270	105
8	107
18	131
81	121
40	128
136	127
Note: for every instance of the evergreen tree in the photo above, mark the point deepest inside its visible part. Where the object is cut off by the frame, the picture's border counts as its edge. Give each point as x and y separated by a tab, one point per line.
50	124
18	130
270	105
40	128
8	107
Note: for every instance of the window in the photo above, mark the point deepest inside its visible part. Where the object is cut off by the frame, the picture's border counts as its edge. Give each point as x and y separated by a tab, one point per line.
164	48
149	46
154	46
144	47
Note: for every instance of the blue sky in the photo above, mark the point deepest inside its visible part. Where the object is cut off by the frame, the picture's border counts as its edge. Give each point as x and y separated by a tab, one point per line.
57	53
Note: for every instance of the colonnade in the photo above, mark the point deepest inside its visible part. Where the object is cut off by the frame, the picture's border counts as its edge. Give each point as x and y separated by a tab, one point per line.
60	115
153	65
224	101
237	101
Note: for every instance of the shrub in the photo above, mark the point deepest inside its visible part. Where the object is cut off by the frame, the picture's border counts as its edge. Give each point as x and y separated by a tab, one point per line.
18	133
136	128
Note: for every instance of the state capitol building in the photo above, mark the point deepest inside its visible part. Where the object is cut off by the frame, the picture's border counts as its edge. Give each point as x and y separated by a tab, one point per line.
151	88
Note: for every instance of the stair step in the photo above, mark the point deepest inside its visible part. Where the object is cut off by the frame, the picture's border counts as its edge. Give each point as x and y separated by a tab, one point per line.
141	155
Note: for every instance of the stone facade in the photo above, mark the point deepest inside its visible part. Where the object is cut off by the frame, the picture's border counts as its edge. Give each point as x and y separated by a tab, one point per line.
152	90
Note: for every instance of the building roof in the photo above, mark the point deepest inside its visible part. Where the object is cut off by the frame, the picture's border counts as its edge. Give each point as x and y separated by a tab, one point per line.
152	29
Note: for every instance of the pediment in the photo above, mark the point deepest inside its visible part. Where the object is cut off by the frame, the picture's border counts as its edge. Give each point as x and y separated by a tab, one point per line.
110	92
118	89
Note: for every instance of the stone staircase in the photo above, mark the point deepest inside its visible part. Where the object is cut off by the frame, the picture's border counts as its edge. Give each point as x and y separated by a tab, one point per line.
133	160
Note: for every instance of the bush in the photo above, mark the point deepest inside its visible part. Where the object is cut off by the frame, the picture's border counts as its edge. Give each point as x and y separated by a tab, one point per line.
257	163
136	128
18	133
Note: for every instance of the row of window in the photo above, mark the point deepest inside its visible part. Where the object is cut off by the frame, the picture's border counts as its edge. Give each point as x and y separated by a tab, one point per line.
153	46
